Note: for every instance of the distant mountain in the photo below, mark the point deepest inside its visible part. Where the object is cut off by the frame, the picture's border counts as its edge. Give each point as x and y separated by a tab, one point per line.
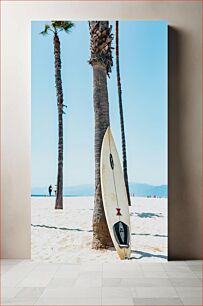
82	190
144	190
136	189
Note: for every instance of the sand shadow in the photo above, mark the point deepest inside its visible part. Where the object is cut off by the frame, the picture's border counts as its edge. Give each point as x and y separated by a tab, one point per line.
60	228
156	235
148	215
146	255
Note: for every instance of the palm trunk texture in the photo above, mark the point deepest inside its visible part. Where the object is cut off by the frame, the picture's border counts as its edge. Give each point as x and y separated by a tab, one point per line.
125	170
59	92
101	62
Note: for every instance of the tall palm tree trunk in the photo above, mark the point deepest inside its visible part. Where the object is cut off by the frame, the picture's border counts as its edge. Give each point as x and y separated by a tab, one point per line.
125	170
98	60
101	236
59	92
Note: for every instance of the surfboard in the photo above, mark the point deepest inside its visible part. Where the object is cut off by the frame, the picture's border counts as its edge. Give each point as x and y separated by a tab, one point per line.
114	196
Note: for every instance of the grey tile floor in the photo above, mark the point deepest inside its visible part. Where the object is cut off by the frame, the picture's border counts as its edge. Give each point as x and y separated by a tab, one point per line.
25	282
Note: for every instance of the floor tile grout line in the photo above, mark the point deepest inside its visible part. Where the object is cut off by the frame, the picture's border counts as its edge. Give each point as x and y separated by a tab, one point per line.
175	287
102	283
45	287
180	297
190	272
14	265
186	304
177	292
24	276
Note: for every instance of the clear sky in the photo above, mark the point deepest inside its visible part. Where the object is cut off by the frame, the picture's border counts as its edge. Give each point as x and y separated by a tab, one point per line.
143	66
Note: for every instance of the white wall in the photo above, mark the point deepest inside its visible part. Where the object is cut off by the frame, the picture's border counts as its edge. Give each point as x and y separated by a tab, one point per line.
184	113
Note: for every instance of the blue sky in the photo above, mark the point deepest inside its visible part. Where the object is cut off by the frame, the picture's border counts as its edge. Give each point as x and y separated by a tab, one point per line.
143	66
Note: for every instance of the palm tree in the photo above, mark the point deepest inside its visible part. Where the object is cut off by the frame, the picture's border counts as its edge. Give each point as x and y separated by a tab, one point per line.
125	171
55	27
101	61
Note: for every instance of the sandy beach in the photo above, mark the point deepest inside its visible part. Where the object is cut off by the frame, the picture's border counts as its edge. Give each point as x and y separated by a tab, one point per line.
66	235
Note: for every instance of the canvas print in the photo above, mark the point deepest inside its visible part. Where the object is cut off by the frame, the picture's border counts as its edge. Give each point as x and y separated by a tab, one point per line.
99	141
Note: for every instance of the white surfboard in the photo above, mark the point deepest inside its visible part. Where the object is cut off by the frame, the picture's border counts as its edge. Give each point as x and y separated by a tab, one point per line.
115	197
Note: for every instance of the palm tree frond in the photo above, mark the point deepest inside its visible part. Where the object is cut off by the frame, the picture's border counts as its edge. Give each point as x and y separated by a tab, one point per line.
56	24
67	26
62	25
45	31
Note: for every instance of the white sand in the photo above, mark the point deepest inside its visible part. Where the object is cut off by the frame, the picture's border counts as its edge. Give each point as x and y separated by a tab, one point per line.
72	242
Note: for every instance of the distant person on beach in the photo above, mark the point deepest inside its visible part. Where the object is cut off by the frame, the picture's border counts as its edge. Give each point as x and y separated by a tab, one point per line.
50	190
55	189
